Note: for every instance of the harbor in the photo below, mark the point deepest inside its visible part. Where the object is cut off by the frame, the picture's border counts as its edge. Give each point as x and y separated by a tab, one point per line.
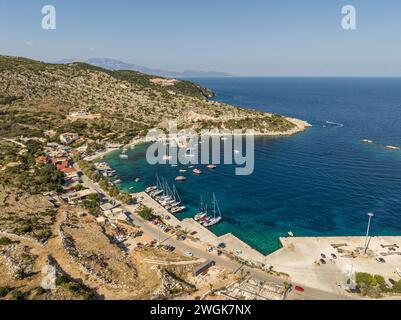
205	238
301	258
170	200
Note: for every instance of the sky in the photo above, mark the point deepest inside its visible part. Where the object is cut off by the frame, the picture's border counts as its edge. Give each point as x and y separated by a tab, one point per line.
244	37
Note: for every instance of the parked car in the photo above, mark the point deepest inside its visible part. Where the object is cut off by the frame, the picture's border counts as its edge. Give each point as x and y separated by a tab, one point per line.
322	261
333	256
221	245
189	254
299	289
380	260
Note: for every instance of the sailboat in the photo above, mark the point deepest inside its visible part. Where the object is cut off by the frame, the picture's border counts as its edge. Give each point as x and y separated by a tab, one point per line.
216	214
202	213
175	204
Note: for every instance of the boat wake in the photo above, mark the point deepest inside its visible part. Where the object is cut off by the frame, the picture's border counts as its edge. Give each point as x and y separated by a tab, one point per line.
338	125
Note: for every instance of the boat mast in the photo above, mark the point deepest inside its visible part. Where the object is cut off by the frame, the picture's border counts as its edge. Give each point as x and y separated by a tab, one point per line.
176	196
214	205
201	204
218	207
168	190
158	184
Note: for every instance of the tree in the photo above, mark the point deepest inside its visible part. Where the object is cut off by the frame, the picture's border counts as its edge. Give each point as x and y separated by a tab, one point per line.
146	213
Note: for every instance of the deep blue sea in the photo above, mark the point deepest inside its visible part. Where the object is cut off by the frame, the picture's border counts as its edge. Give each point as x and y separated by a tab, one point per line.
321	182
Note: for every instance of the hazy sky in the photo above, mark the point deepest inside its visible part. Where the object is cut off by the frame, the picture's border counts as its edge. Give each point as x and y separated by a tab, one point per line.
246	37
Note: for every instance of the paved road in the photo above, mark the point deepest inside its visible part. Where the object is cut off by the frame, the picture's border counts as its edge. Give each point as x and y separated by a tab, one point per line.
187	245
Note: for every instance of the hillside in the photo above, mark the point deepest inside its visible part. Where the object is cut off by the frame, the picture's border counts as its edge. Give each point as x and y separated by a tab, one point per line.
44	220
36	96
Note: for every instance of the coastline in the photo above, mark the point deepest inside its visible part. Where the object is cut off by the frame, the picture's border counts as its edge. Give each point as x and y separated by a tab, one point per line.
251	253
300	126
298	258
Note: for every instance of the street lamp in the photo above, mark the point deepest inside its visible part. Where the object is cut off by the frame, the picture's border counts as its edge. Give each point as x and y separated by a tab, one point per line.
370	215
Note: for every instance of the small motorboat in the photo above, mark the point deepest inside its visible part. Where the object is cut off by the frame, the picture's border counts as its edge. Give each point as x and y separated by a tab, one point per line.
197	171
138	180
183	171
393	147
180	178
290	234
211	166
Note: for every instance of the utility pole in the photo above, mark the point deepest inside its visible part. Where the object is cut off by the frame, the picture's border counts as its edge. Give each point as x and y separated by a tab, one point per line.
370	215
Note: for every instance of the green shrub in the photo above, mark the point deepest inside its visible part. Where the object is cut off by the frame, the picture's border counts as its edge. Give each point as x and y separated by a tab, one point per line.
5	241
62	280
17	295
4	291
40	291
397	287
363	278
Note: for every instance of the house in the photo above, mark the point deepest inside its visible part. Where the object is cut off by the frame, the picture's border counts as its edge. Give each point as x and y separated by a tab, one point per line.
101	220
71	175
75	196
108	206
113	213
42	160
114	146
203	267
68	138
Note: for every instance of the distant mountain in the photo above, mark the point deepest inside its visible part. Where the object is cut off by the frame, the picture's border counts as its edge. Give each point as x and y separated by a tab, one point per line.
113	64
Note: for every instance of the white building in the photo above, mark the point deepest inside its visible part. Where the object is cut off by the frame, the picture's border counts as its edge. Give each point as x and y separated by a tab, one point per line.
68	138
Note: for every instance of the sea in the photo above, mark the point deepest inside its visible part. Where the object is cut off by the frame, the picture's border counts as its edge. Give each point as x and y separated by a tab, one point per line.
321	182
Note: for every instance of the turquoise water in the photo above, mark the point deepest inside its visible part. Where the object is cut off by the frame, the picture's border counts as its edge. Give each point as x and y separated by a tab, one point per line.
321	182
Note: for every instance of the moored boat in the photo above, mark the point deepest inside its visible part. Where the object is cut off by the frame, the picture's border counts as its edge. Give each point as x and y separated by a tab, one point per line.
177	209
216	214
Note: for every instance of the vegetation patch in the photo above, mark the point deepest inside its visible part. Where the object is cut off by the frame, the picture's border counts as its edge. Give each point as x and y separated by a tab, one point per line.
146	213
375	285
